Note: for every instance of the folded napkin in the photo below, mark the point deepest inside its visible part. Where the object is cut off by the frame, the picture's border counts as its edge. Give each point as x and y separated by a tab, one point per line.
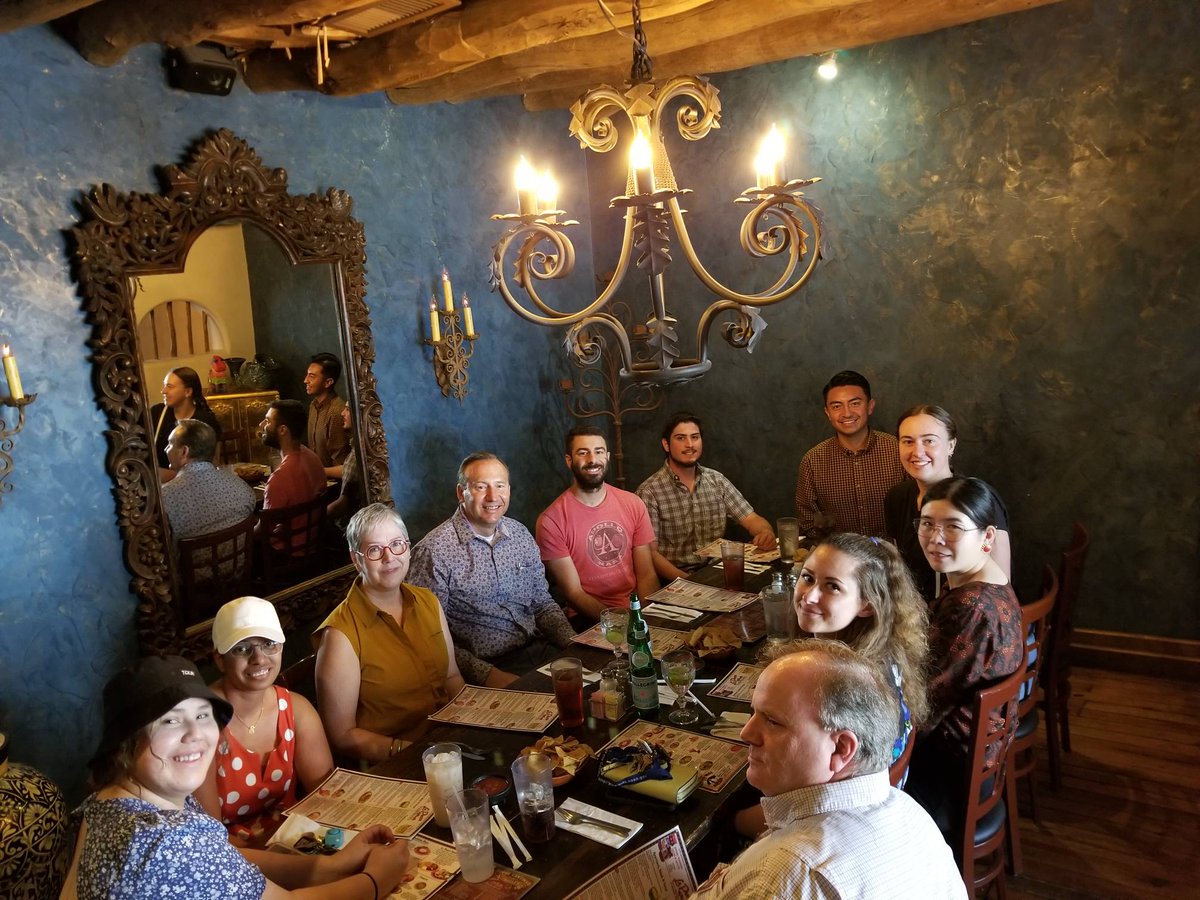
729	725
610	838
667	611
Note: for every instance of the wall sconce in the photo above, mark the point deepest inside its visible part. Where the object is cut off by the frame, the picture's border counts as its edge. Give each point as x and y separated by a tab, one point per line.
452	347
16	398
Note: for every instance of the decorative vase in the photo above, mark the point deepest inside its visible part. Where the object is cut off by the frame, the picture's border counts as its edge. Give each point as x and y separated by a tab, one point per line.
34	851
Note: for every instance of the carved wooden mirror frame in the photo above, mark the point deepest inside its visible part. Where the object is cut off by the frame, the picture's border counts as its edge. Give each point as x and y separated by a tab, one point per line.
123	236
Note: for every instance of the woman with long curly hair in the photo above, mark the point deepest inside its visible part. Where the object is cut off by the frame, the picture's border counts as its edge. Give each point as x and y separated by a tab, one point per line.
858	590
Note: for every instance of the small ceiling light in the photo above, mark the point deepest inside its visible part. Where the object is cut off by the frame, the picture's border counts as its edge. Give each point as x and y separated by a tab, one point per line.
828	67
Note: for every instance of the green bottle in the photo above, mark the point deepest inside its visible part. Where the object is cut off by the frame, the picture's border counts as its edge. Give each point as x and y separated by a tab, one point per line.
642	673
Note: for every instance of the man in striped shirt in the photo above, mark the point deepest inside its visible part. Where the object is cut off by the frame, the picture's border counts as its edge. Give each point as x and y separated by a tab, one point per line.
820	744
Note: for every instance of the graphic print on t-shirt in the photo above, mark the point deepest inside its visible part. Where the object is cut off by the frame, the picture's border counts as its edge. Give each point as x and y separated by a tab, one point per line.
607	543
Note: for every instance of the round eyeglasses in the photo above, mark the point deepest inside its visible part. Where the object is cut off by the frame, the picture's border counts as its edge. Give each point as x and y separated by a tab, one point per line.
951	531
375	552
246	649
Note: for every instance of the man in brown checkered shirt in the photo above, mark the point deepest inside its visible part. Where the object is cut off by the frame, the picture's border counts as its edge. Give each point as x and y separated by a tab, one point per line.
843	480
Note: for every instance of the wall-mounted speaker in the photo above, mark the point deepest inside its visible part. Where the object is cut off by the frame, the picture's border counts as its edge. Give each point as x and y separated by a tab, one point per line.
202	69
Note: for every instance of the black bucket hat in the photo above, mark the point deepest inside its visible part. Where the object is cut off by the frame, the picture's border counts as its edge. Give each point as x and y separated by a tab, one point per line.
140	693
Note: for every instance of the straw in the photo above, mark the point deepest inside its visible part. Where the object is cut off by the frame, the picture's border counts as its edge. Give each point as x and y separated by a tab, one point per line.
516	838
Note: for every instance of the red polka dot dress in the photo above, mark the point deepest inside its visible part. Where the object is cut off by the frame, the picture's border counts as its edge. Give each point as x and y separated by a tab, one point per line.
253	795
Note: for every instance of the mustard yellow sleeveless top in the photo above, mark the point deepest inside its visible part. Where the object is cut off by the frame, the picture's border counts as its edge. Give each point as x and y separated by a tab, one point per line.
403	668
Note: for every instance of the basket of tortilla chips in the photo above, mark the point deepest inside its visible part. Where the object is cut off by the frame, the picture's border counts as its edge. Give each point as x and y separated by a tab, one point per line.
566	753
714	641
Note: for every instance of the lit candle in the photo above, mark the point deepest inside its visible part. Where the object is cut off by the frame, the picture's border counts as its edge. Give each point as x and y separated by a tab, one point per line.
434	326
640	158
769	163
527	187
13	376
447	291
467	316
547	193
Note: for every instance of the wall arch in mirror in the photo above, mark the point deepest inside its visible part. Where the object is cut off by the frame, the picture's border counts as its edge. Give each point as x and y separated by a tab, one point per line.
124	236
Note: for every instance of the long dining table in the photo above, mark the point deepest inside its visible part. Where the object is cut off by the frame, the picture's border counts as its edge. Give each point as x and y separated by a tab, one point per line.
569	860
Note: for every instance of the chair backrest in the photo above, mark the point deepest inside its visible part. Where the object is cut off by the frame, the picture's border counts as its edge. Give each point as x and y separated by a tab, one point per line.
899	767
291	541
1070	574
1035	625
214	568
301	678
993	723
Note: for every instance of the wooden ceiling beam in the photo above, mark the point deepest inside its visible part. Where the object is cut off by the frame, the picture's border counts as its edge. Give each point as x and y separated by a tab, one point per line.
743	34
457	40
16	14
104	32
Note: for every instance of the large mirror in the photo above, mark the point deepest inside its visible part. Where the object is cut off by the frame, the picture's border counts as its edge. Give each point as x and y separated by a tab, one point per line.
303	258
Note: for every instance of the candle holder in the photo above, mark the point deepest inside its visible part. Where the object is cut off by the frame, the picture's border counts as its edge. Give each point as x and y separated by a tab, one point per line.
452	351
7	435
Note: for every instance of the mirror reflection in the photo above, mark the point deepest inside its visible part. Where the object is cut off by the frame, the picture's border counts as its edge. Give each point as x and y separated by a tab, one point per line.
249	345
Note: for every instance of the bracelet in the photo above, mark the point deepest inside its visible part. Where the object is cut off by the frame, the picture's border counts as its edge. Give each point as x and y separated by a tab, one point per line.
374	883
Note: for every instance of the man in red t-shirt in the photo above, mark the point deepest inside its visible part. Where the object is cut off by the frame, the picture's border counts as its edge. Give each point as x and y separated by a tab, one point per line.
300	477
595	539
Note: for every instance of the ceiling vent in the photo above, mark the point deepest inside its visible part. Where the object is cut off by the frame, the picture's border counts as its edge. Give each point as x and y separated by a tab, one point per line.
368	21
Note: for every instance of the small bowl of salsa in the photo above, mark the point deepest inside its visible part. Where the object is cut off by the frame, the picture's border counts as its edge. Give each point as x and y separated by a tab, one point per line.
496	785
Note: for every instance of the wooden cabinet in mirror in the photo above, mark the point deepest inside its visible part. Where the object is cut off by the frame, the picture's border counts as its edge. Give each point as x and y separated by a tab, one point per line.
124	237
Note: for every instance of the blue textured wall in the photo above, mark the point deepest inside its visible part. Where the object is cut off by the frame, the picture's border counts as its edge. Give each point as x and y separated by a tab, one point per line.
424	182
1012	214
1013	231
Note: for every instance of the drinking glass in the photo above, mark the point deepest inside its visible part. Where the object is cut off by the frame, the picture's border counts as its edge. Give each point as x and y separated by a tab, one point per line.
614	623
567	676
533	780
470	822
787	530
733	561
679	669
443	773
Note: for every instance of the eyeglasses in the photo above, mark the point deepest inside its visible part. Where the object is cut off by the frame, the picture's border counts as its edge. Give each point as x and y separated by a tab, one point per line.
951	531
246	649
375	552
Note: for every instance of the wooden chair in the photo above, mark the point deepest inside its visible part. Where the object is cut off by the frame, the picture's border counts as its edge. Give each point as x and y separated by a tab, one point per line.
301	678
214	568
982	840
290	538
1056	673
899	768
1022	757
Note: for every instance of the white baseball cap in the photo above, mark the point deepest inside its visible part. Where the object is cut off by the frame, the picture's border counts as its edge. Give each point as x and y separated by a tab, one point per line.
243	618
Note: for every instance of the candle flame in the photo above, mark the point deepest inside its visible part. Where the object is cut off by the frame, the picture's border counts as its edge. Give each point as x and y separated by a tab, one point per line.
547	191
639	153
527	178
770	151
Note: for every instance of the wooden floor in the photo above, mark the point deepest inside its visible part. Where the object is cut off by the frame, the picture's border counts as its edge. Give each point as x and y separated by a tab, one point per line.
1126	821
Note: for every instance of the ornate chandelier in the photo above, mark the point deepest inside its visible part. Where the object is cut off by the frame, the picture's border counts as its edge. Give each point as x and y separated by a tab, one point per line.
780	222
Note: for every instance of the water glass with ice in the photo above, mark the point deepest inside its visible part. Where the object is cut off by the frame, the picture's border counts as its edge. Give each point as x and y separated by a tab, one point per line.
470	823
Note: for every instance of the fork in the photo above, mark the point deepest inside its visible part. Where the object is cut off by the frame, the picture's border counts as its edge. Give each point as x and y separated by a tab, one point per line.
575	818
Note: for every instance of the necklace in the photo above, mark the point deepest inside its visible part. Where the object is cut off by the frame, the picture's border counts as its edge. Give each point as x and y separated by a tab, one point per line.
249	726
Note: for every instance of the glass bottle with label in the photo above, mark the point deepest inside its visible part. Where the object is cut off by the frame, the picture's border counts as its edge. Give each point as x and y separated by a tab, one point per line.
643	676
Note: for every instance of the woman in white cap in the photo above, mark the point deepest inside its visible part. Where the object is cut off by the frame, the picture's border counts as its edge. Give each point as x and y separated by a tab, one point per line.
275	740
142	833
